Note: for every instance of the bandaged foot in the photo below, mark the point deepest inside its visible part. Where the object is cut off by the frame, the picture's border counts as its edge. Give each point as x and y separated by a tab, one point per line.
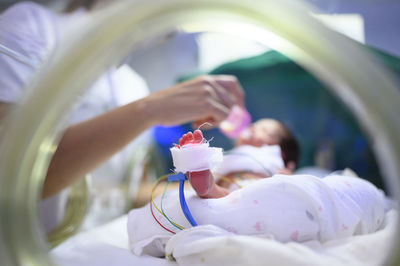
202	181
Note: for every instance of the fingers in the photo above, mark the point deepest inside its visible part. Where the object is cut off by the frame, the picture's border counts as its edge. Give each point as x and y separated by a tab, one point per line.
210	112
232	85
227	99
217	105
217	111
204	99
223	88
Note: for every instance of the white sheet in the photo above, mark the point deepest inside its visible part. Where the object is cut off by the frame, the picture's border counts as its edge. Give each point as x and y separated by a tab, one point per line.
208	245
287	208
103	246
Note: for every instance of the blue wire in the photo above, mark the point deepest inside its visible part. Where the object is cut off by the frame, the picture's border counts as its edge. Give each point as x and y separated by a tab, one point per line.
184	206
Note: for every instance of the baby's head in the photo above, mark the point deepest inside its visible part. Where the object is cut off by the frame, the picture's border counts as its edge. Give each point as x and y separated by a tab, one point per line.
271	132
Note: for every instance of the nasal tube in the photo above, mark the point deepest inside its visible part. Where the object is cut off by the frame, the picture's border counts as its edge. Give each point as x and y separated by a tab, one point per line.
238	120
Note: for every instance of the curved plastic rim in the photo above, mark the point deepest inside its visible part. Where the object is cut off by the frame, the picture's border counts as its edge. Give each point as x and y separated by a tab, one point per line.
108	35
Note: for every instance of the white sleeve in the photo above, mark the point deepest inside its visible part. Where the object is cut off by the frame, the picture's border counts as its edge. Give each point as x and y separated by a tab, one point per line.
130	85
27	36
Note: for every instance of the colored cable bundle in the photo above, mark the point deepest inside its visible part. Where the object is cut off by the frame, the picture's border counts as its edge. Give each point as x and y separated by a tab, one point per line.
180	227
185	209
158	181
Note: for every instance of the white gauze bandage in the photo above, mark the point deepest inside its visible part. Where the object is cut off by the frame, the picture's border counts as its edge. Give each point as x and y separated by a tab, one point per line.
196	157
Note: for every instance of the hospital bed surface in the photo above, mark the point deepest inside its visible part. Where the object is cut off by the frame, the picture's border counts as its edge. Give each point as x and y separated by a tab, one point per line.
104	245
108	245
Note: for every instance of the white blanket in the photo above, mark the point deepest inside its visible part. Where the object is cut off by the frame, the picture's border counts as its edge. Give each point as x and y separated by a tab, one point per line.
108	245
285	208
210	245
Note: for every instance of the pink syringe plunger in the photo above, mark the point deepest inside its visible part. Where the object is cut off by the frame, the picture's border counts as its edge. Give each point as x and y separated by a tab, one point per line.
238	120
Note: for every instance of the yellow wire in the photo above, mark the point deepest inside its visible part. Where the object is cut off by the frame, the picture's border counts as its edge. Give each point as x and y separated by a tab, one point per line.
164	177
154	204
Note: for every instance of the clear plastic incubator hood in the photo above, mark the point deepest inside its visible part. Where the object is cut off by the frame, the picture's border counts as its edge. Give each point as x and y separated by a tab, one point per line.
111	33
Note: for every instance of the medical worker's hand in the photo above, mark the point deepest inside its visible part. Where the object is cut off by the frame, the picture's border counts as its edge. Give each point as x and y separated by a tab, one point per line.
203	99
84	146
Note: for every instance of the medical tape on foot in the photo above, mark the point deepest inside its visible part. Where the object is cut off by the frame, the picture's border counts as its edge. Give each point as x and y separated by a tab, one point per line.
196	157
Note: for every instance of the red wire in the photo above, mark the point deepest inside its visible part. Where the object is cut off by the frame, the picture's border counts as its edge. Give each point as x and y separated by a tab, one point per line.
151	209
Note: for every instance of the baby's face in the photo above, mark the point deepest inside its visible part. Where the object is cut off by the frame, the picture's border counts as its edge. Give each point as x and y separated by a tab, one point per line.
263	132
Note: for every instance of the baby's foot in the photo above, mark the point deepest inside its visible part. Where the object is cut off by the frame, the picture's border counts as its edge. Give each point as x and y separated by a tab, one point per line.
191	138
202	181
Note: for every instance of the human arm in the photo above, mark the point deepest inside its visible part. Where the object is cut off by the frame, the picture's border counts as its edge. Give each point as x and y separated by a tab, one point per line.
86	145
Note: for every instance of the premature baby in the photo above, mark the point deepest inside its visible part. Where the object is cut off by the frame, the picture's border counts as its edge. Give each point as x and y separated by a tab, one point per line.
264	149
283	207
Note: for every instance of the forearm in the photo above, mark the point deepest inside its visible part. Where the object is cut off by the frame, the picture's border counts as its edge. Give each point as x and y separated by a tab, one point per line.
86	145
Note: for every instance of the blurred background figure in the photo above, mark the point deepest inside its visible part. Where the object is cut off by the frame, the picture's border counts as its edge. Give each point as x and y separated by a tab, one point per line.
107	118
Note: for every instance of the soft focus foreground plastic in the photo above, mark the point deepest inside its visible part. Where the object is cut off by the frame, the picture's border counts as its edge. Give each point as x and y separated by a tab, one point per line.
27	137
238	120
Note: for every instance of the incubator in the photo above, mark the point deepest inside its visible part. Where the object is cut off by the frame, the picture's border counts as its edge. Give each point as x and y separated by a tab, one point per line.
111	33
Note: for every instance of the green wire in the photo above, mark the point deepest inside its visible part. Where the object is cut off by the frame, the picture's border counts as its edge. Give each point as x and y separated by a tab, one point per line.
162	210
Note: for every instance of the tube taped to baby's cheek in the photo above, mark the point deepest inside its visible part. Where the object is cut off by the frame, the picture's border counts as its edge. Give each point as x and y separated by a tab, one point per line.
196	157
